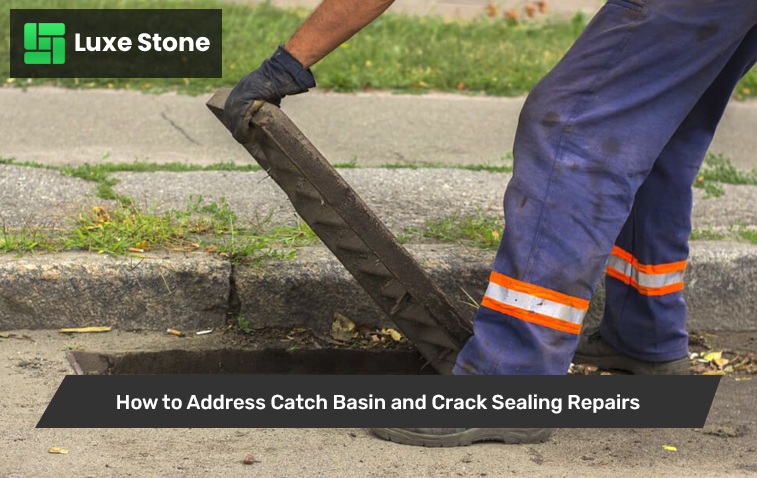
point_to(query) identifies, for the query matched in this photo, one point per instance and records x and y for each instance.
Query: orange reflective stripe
(532, 317)
(536, 291)
(645, 268)
(644, 290)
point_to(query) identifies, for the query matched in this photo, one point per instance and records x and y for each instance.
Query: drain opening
(260, 362)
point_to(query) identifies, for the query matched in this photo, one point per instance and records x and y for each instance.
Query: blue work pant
(607, 147)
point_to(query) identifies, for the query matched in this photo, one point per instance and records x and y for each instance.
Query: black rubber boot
(447, 437)
(593, 350)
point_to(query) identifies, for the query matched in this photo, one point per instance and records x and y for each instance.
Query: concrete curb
(191, 291)
(80, 289)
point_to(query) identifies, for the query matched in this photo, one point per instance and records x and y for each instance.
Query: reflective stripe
(646, 268)
(536, 291)
(647, 279)
(548, 308)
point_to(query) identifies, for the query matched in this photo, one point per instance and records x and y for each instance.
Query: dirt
(31, 369)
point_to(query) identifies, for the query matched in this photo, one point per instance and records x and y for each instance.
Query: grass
(126, 228)
(484, 232)
(213, 226)
(706, 235)
(717, 169)
(476, 231)
(490, 55)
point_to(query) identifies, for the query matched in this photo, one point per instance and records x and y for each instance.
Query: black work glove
(276, 77)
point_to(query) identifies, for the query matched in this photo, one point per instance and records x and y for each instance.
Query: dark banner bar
(112, 43)
(219, 401)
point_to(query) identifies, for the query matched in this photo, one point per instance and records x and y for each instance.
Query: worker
(607, 148)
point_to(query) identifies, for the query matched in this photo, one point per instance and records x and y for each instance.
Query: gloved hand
(276, 77)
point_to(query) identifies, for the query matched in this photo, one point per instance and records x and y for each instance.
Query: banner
(217, 401)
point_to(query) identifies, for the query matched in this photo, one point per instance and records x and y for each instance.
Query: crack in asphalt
(179, 128)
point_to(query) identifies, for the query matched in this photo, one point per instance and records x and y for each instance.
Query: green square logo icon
(44, 43)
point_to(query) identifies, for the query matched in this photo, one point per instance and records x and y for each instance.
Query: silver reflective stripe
(642, 279)
(534, 304)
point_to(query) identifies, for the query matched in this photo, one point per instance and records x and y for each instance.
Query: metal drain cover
(361, 242)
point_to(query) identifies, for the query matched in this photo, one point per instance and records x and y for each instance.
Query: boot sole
(623, 363)
(468, 437)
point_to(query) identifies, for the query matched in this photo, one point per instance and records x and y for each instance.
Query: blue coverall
(607, 148)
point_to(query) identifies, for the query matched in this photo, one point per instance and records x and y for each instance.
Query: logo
(115, 43)
(44, 43)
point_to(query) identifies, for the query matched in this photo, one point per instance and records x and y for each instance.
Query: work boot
(593, 350)
(447, 437)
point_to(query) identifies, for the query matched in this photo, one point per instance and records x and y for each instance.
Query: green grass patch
(505, 168)
(485, 232)
(128, 229)
(399, 52)
(741, 232)
(706, 235)
(716, 170)
(716, 167)
(476, 231)
(395, 52)
(25, 240)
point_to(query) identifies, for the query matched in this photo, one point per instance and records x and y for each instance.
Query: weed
(741, 232)
(716, 167)
(706, 235)
(477, 231)
(23, 241)
(244, 325)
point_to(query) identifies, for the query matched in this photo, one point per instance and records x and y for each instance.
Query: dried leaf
(58, 450)
(85, 330)
(144, 245)
(342, 327)
(396, 336)
(713, 372)
(712, 356)
(670, 448)
(721, 362)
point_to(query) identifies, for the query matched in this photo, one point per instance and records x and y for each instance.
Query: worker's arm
(330, 25)
(287, 72)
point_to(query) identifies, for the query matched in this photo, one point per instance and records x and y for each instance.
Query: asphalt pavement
(33, 364)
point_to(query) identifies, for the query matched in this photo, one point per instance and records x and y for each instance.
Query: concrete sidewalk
(58, 126)
(31, 370)
(402, 198)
